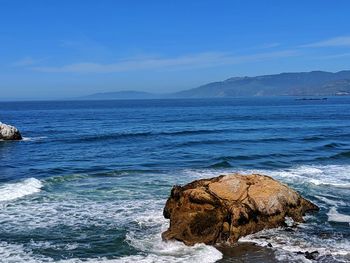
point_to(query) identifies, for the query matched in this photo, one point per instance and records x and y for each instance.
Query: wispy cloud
(342, 41)
(200, 60)
(27, 61)
(336, 56)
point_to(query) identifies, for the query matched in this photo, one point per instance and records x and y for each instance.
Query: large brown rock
(224, 208)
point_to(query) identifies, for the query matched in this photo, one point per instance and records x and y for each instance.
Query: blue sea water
(89, 181)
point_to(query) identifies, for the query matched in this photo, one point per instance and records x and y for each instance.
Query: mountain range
(314, 83)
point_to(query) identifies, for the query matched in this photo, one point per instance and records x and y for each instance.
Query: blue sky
(66, 48)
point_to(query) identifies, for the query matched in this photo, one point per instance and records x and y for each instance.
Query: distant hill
(314, 83)
(120, 95)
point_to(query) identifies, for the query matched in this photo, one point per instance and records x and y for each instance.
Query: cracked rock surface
(224, 208)
(8, 132)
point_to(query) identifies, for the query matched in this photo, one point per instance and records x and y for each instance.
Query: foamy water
(335, 216)
(65, 204)
(64, 209)
(12, 191)
(31, 139)
(104, 169)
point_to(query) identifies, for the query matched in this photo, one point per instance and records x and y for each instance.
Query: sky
(69, 48)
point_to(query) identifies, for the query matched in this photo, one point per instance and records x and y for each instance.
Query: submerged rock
(223, 209)
(8, 132)
(311, 255)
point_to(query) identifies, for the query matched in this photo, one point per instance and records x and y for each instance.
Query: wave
(138, 215)
(146, 134)
(12, 191)
(159, 251)
(201, 142)
(65, 178)
(127, 135)
(335, 216)
(26, 139)
(171, 251)
(342, 155)
(106, 137)
(251, 157)
(175, 254)
(223, 164)
(327, 177)
(223, 141)
(313, 138)
(334, 136)
(191, 132)
(319, 175)
(333, 145)
(113, 173)
(322, 182)
(30, 139)
(291, 246)
(147, 242)
(330, 200)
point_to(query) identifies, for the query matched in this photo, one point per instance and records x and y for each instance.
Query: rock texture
(224, 208)
(8, 132)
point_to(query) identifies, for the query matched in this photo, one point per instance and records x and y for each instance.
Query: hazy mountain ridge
(314, 83)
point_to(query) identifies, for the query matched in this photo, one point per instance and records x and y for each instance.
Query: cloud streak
(200, 60)
(343, 41)
(27, 61)
(336, 56)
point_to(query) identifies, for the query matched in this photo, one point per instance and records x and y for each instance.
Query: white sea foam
(335, 216)
(27, 139)
(336, 176)
(171, 251)
(330, 200)
(65, 208)
(17, 254)
(338, 185)
(327, 175)
(142, 209)
(195, 254)
(12, 253)
(288, 244)
(12, 191)
(151, 246)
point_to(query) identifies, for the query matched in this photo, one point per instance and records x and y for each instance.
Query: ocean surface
(90, 179)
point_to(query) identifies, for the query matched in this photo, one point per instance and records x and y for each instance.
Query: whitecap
(331, 200)
(26, 139)
(171, 251)
(159, 251)
(336, 176)
(288, 245)
(200, 254)
(335, 216)
(338, 185)
(197, 254)
(12, 191)
(14, 253)
(60, 209)
(144, 214)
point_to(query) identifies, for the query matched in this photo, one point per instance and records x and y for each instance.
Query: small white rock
(8, 132)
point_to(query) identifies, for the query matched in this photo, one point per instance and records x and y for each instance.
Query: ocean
(90, 179)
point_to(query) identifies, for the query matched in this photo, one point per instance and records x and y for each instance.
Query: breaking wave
(12, 191)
